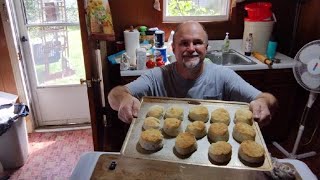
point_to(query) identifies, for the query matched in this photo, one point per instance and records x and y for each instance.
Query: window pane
(57, 11)
(196, 7)
(200, 10)
(57, 54)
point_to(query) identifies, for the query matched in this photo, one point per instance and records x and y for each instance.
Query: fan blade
(309, 53)
(312, 82)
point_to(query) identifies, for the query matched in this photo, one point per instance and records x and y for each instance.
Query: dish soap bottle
(226, 43)
(248, 45)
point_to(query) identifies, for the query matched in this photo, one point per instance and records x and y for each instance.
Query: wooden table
(95, 165)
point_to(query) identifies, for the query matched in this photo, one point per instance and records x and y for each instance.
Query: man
(191, 77)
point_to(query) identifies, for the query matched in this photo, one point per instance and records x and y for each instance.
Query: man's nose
(191, 47)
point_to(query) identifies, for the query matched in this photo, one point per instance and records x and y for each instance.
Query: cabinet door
(281, 83)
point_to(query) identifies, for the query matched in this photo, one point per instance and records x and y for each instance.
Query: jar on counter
(141, 58)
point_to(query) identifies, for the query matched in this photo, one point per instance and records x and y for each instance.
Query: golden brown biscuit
(199, 113)
(251, 152)
(155, 111)
(172, 126)
(220, 115)
(174, 112)
(243, 131)
(197, 128)
(151, 123)
(218, 132)
(220, 152)
(151, 139)
(243, 115)
(185, 143)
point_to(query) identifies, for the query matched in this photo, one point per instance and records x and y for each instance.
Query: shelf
(102, 37)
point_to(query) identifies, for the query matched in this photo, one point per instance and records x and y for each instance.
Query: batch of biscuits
(153, 133)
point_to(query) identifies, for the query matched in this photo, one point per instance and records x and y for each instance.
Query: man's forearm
(116, 95)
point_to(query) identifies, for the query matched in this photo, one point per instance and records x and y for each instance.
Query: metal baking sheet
(131, 147)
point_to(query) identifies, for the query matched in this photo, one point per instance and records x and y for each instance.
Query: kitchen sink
(230, 58)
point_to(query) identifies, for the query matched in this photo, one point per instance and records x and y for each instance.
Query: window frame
(179, 19)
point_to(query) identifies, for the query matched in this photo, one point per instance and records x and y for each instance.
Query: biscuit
(174, 112)
(197, 128)
(251, 152)
(243, 115)
(218, 132)
(199, 113)
(185, 143)
(151, 139)
(151, 123)
(155, 111)
(220, 152)
(243, 131)
(220, 115)
(172, 126)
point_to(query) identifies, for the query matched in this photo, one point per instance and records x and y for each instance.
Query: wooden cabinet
(282, 84)
(279, 82)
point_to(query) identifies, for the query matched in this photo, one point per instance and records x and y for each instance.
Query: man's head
(190, 43)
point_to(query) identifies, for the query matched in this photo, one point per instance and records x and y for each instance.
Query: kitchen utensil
(131, 148)
(262, 58)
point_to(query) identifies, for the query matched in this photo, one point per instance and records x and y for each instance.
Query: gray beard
(194, 67)
(191, 65)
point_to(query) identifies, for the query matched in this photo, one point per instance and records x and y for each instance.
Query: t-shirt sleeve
(237, 89)
(141, 86)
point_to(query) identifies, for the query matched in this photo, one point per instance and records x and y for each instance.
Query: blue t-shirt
(216, 83)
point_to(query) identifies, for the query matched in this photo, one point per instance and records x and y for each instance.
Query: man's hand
(129, 108)
(122, 101)
(263, 107)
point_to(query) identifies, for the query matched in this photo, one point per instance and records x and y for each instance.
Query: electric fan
(306, 70)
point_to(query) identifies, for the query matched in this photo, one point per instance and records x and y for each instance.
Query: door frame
(9, 22)
(40, 95)
(94, 92)
(22, 81)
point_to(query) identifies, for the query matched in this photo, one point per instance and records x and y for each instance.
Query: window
(198, 10)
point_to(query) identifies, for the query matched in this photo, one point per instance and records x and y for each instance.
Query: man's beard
(191, 64)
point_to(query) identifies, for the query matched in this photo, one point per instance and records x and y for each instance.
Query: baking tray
(131, 147)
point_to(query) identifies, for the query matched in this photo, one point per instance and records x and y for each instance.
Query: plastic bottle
(169, 45)
(226, 43)
(143, 30)
(141, 58)
(248, 45)
(272, 47)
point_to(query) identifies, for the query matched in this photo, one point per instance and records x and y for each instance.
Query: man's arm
(263, 108)
(122, 101)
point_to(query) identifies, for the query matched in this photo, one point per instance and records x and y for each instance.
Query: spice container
(248, 45)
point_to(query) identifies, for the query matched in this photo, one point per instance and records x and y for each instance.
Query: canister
(159, 39)
(160, 53)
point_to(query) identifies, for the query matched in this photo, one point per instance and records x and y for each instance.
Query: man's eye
(185, 43)
(198, 43)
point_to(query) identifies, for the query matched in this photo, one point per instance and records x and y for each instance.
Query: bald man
(191, 77)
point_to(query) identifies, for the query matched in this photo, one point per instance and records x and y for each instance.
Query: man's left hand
(261, 112)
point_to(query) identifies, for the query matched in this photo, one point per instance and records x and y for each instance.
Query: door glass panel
(55, 41)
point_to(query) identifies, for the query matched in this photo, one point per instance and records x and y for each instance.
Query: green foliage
(187, 8)
(35, 11)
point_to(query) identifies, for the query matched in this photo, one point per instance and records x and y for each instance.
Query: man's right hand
(122, 101)
(128, 109)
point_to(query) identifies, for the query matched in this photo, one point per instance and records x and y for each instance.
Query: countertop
(286, 61)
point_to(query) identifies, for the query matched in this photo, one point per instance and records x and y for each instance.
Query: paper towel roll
(131, 40)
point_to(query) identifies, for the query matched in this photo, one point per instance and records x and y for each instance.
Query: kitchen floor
(53, 155)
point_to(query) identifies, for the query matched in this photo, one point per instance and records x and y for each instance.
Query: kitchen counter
(286, 62)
